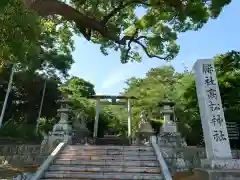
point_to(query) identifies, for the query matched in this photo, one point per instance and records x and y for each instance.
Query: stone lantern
(62, 131)
(144, 130)
(167, 109)
(169, 136)
(62, 127)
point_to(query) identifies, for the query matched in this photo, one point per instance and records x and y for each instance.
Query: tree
(227, 69)
(31, 42)
(150, 91)
(113, 24)
(25, 97)
(23, 104)
(79, 87)
(78, 91)
(164, 82)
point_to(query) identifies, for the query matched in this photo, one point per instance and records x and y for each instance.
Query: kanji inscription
(219, 136)
(217, 120)
(211, 110)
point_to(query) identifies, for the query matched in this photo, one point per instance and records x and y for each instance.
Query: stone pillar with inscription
(212, 118)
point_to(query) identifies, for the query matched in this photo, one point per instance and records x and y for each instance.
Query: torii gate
(113, 101)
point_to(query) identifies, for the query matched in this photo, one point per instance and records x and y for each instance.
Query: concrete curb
(163, 165)
(48, 161)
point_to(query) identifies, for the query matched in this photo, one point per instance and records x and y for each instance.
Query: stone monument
(62, 131)
(213, 121)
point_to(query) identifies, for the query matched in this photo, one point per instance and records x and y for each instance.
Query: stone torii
(113, 101)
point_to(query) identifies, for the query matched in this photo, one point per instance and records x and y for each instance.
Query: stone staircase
(113, 140)
(105, 162)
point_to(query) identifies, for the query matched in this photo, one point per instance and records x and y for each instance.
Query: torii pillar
(97, 111)
(129, 109)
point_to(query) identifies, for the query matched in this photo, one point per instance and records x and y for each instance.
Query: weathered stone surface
(173, 140)
(110, 157)
(22, 160)
(192, 157)
(107, 162)
(108, 148)
(87, 168)
(114, 162)
(221, 174)
(63, 174)
(19, 149)
(21, 155)
(105, 152)
(24, 176)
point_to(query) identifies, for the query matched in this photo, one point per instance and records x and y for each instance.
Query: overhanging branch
(137, 41)
(122, 6)
(86, 24)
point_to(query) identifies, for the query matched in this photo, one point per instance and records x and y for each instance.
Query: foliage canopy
(119, 25)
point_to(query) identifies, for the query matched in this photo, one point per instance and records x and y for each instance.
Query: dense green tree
(78, 87)
(150, 91)
(31, 42)
(37, 36)
(227, 68)
(103, 22)
(26, 95)
(23, 104)
(164, 82)
(78, 91)
(113, 24)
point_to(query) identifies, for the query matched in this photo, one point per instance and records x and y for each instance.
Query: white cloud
(114, 79)
(121, 74)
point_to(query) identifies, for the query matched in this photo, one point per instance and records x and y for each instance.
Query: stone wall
(21, 155)
(180, 159)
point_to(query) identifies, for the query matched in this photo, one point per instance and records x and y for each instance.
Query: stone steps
(90, 175)
(105, 162)
(86, 168)
(108, 153)
(109, 148)
(109, 157)
(112, 141)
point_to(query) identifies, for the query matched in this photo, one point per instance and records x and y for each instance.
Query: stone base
(219, 169)
(169, 128)
(212, 174)
(81, 133)
(171, 140)
(221, 163)
(49, 143)
(81, 136)
(143, 137)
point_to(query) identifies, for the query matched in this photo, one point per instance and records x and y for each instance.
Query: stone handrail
(164, 169)
(48, 161)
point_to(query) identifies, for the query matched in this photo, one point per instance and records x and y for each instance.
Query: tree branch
(145, 49)
(137, 41)
(122, 6)
(85, 24)
(50, 7)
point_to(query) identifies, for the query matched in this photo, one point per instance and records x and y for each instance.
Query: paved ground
(7, 172)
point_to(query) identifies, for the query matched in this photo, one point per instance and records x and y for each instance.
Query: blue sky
(109, 75)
